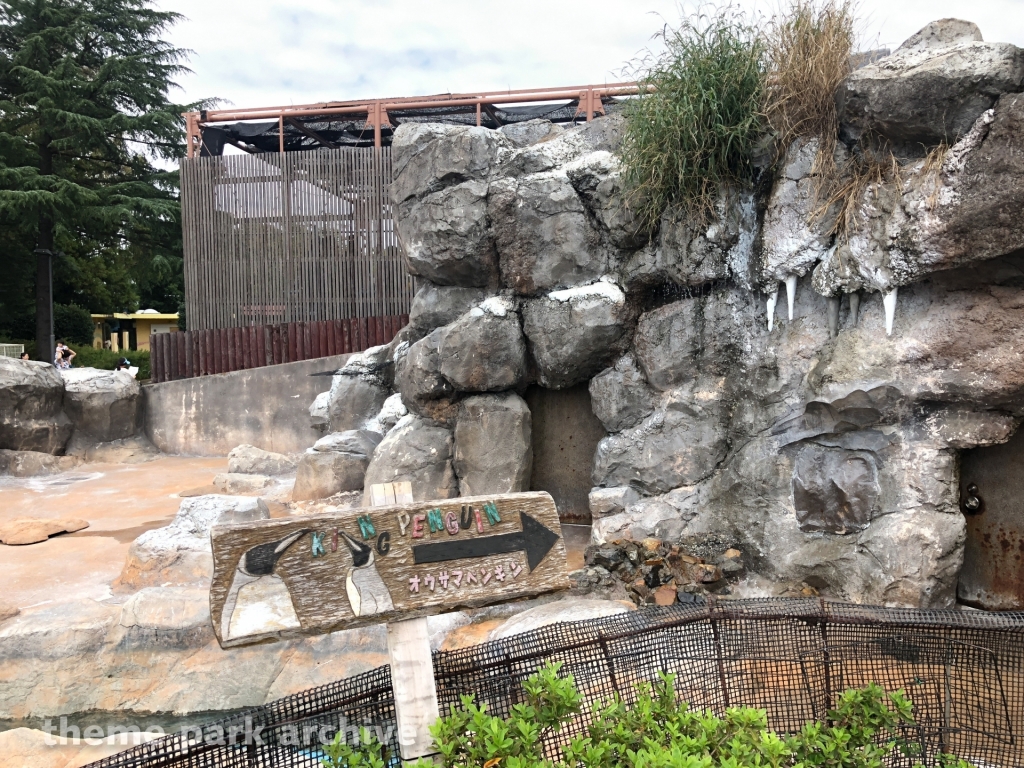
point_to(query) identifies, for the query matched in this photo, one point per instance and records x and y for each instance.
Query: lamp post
(44, 305)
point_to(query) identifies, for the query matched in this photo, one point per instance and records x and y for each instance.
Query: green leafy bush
(88, 357)
(695, 125)
(659, 731)
(72, 323)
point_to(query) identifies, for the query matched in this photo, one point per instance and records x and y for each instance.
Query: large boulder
(436, 305)
(180, 553)
(484, 350)
(419, 452)
(941, 215)
(418, 377)
(493, 452)
(337, 463)
(34, 463)
(620, 395)
(572, 333)
(932, 88)
(681, 443)
(248, 459)
(31, 399)
(428, 157)
(359, 389)
(700, 335)
(544, 238)
(446, 237)
(103, 405)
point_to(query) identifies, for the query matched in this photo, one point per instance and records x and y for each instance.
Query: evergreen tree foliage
(85, 120)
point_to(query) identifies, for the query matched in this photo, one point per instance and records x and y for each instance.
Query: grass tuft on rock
(695, 126)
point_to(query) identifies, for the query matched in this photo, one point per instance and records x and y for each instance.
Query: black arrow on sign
(535, 538)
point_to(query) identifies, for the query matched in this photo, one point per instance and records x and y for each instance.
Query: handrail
(376, 110)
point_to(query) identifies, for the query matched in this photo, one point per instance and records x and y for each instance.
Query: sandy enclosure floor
(120, 501)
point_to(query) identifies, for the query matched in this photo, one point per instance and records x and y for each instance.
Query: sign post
(398, 562)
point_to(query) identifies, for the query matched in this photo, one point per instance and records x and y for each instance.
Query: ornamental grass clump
(694, 127)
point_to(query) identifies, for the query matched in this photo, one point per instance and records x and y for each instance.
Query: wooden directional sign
(317, 574)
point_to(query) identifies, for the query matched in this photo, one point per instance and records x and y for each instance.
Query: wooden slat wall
(293, 237)
(187, 354)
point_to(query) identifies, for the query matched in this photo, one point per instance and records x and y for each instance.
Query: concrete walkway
(120, 501)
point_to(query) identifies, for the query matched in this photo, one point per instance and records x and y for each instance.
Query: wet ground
(120, 501)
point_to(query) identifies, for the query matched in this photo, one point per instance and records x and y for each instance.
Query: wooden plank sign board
(321, 573)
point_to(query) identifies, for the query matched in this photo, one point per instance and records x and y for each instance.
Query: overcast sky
(269, 52)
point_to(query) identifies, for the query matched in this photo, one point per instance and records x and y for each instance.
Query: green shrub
(659, 731)
(72, 323)
(695, 126)
(88, 357)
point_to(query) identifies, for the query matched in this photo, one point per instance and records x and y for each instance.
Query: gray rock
(180, 553)
(416, 451)
(337, 463)
(437, 305)
(493, 449)
(605, 502)
(446, 238)
(572, 333)
(620, 396)
(685, 254)
(34, 463)
(603, 135)
(31, 398)
(241, 483)
(390, 414)
(662, 517)
(354, 401)
(794, 238)
(937, 218)
(681, 443)
(103, 405)
(704, 334)
(359, 389)
(531, 132)
(427, 157)
(484, 350)
(932, 88)
(424, 390)
(358, 442)
(248, 459)
(597, 178)
(542, 233)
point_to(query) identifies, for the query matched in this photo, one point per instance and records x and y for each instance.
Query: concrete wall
(266, 407)
(565, 436)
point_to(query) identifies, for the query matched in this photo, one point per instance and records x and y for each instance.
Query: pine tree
(85, 116)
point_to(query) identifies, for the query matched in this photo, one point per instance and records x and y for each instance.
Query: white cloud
(266, 52)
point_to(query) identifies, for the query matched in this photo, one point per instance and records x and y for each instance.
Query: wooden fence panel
(301, 236)
(209, 351)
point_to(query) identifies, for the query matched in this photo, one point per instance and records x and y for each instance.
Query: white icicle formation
(854, 308)
(790, 293)
(889, 302)
(773, 299)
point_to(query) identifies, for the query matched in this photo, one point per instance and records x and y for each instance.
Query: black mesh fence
(964, 671)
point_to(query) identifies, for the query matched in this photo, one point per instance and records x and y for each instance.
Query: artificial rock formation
(103, 405)
(762, 380)
(31, 407)
(336, 463)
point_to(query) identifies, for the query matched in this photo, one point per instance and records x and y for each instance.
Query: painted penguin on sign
(367, 592)
(258, 599)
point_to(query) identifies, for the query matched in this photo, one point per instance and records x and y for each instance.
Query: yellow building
(130, 330)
